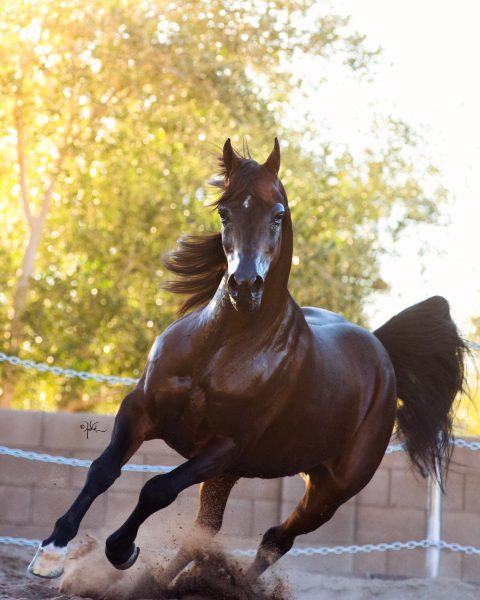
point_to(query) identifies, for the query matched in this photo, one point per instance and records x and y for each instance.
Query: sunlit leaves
(138, 96)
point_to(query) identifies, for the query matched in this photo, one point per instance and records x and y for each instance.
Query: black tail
(428, 357)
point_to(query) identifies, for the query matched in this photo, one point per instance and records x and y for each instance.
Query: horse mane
(199, 261)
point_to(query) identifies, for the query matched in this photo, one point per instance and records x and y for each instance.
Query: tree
(111, 108)
(467, 414)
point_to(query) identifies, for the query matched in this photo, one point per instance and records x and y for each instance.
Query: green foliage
(137, 98)
(467, 415)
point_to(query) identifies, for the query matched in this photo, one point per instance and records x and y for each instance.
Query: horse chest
(216, 399)
(249, 377)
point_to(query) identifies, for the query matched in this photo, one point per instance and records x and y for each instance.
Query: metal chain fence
(85, 375)
(312, 551)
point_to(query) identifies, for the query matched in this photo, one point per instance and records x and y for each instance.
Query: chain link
(322, 550)
(18, 541)
(395, 448)
(355, 549)
(84, 375)
(464, 444)
(319, 550)
(78, 462)
(115, 380)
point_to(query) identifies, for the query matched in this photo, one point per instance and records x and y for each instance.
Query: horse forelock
(249, 179)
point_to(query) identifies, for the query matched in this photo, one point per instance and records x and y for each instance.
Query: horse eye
(223, 217)
(279, 218)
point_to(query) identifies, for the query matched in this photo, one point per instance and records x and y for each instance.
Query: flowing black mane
(199, 261)
(200, 264)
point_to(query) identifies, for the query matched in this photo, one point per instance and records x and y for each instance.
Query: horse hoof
(129, 562)
(48, 561)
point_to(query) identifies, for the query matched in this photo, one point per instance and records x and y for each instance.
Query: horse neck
(276, 294)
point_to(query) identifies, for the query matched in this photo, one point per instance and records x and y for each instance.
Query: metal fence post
(434, 524)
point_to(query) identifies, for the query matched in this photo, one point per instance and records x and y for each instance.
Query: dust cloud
(214, 575)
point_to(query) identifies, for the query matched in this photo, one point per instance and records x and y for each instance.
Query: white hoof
(48, 561)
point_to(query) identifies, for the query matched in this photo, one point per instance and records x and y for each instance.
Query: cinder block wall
(391, 508)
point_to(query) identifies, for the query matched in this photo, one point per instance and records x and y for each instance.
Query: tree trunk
(19, 304)
(35, 224)
(7, 386)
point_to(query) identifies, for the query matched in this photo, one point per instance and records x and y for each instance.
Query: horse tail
(428, 358)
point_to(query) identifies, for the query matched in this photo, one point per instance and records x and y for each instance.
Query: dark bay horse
(248, 384)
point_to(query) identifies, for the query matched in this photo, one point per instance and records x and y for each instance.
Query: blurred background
(112, 115)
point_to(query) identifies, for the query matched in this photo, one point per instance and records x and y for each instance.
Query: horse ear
(272, 164)
(230, 159)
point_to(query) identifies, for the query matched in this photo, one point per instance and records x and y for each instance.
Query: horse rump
(428, 354)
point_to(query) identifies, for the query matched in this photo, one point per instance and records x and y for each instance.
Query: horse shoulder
(170, 354)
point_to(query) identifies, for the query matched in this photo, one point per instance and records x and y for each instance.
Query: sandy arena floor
(89, 576)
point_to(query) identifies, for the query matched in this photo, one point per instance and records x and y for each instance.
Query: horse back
(316, 317)
(344, 351)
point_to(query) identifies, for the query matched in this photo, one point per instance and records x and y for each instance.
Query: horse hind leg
(214, 494)
(316, 508)
(129, 431)
(327, 488)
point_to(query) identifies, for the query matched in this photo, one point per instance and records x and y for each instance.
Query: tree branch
(18, 117)
(47, 198)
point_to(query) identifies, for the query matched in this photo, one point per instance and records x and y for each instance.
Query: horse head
(252, 209)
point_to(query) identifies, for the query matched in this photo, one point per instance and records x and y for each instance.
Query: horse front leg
(130, 430)
(214, 494)
(162, 490)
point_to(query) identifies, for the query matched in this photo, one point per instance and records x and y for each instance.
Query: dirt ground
(88, 575)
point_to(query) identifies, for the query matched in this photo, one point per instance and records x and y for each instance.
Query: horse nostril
(257, 285)
(233, 286)
(253, 285)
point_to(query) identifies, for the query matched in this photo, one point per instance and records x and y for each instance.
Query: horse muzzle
(245, 292)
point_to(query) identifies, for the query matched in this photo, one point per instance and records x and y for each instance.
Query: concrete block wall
(391, 508)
